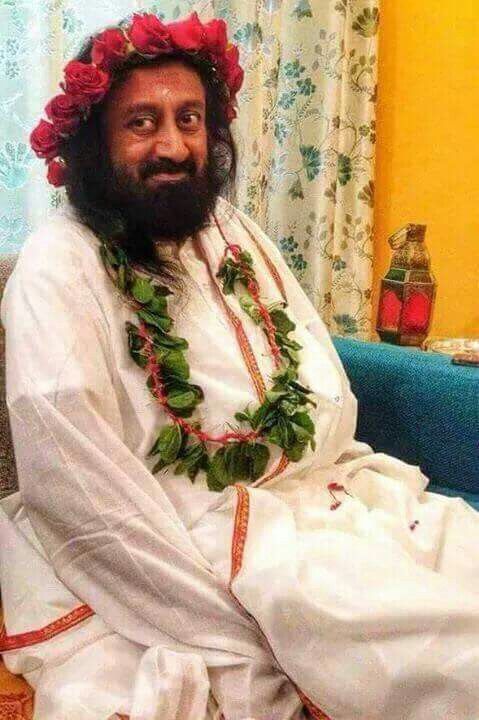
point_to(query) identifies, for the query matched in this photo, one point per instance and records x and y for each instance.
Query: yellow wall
(427, 167)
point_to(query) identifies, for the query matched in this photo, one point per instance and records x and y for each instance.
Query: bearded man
(197, 534)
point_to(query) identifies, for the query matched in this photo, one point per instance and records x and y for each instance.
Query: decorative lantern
(408, 290)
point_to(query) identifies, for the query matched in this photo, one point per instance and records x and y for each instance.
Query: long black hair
(89, 169)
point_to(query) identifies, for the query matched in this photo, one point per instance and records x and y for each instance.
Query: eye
(191, 120)
(141, 123)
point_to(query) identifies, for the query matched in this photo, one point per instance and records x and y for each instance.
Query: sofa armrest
(419, 407)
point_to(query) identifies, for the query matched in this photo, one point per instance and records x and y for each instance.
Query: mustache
(165, 165)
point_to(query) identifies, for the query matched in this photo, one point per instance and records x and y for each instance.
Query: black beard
(173, 210)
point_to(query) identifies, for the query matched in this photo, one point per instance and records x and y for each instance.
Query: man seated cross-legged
(197, 534)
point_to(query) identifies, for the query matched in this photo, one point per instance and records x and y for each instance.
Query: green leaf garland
(282, 419)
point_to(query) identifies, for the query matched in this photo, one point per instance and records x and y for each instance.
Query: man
(198, 530)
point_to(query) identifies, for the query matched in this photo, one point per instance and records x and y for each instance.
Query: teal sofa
(420, 407)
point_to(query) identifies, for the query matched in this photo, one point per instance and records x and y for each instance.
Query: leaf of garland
(122, 277)
(228, 274)
(248, 305)
(157, 305)
(274, 395)
(281, 321)
(181, 399)
(168, 443)
(282, 434)
(194, 459)
(246, 258)
(159, 466)
(109, 256)
(295, 452)
(163, 340)
(243, 416)
(236, 459)
(142, 290)
(303, 419)
(163, 323)
(173, 362)
(259, 457)
(288, 342)
(260, 415)
(135, 345)
(216, 477)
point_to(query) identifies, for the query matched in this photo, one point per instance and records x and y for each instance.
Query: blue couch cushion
(419, 407)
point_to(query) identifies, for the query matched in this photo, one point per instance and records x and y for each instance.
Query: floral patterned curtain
(305, 134)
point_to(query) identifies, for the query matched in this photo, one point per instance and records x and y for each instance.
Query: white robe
(174, 598)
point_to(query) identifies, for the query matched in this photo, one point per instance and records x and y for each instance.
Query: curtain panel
(305, 132)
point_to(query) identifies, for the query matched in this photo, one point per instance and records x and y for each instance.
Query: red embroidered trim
(267, 260)
(240, 531)
(243, 341)
(21, 640)
(16, 706)
(314, 711)
(280, 467)
(247, 353)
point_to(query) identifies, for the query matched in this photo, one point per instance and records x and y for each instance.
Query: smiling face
(161, 175)
(155, 124)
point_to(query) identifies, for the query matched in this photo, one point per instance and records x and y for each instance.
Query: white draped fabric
(174, 600)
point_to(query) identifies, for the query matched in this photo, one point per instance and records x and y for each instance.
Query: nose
(170, 143)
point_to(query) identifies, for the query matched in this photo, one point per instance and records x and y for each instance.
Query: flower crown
(87, 83)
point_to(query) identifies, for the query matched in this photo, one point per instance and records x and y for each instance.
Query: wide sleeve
(107, 527)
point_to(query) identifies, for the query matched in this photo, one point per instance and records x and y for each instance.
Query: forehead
(172, 82)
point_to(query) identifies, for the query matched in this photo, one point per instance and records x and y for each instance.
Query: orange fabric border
(247, 353)
(282, 465)
(240, 532)
(267, 260)
(21, 640)
(243, 342)
(314, 711)
(16, 706)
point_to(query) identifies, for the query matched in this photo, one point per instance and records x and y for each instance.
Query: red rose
(109, 49)
(231, 56)
(149, 35)
(188, 34)
(235, 79)
(216, 39)
(44, 140)
(84, 82)
(64, 113)
(231, 69)
(56, 173)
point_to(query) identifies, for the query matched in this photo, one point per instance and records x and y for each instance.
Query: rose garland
(282, 418)
(85, 84)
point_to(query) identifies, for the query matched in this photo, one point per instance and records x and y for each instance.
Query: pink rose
(149, 35)
(56, 173)
(64, 113)
(85, 83)
(188, 34)
(109, 49)
(44, 140)
(216, 39)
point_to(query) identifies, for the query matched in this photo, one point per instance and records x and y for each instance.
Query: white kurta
(367, 610)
